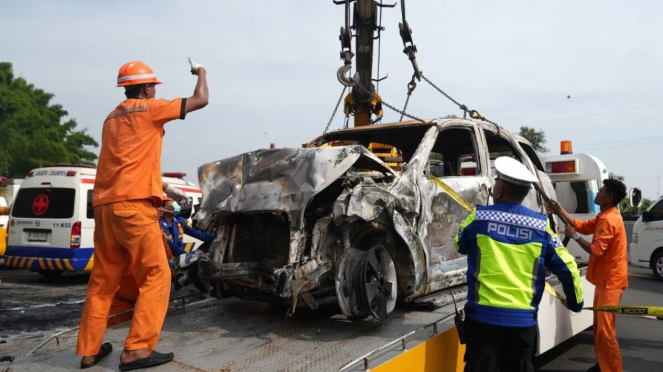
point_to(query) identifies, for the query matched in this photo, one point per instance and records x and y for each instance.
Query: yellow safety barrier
(454, 195)
(625, 310)
(630, 310)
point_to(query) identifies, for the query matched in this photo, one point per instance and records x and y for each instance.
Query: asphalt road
(24, 322)
(640, 339)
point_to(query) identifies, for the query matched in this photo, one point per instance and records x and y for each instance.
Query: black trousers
(498, 349)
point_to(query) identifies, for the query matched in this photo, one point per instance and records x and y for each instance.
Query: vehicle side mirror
(635, 197)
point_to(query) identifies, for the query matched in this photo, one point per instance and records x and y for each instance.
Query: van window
(46, 202)
(90, 210)
(656, 212)
(498, 146)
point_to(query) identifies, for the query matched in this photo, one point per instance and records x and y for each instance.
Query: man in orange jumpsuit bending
(127, 237)
(608, 268)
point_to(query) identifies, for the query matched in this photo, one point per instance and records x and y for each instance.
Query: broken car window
(454, 154)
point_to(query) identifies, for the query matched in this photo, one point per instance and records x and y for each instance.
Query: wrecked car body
(335, 224)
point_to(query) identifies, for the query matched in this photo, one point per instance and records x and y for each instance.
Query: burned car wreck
(342, 224)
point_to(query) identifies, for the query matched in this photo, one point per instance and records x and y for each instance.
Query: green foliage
(536, 137)
(625, 205)
(32, 133)
(617, 177)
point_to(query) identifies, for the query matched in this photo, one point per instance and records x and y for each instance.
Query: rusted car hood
(270, 180)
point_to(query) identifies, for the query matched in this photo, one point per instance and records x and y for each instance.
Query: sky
(272, 69)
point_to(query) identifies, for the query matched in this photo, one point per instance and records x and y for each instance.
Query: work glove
(195, 66)
(177, 195)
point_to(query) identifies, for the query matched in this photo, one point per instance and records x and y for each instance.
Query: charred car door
(457, 176)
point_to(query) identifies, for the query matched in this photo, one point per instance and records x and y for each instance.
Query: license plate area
(38, 236)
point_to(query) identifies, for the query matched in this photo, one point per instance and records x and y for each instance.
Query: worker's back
(509, 247)
(131, 144)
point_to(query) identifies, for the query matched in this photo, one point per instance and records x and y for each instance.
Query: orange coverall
(608, 271)
(127, 237)
(125, 297)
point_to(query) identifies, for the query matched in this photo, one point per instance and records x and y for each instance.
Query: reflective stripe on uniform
(513, 219)
(126, 111)
(135, 77)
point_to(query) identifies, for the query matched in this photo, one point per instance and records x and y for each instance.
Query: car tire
(657, 265)
(50, 274)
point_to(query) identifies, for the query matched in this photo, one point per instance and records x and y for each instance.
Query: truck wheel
(50, 274)
(657, 265)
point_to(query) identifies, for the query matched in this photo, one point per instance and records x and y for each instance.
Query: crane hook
(345, 80)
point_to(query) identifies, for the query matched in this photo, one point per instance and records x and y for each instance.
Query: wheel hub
(367, 283)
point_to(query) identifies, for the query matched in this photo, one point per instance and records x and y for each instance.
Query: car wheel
(50, 274)
(657, 265)
(348, 284)
(379, 282)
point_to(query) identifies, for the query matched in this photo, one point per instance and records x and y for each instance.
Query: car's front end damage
(285, 216)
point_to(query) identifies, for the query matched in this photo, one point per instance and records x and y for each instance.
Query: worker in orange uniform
(608, 268)
(127, 236)
(125, 298)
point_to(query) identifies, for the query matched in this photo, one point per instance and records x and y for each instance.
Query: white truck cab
(51, 223)
(646, 248)
(577, 179)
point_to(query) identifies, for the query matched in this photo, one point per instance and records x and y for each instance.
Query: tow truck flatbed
(236, 335)
(232, 335)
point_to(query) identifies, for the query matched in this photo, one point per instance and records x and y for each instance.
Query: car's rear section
(46, 226)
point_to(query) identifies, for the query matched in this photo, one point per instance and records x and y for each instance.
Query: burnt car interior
(406, 138)
(453, 146)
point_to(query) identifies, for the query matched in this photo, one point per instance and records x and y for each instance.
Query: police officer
(508, 248)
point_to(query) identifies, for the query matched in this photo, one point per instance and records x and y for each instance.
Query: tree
(536, 137)
(32, 131)
(625, 205)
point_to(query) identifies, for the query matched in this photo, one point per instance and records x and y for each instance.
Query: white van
(647, 240)
(51, 223)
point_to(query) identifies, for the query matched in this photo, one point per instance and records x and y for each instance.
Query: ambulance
(51, 224)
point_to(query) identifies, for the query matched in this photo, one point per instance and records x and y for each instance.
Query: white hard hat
(513, 171)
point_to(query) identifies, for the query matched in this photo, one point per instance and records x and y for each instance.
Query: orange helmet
(136, 72)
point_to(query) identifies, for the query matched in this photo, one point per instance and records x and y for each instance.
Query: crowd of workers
(508, 246)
